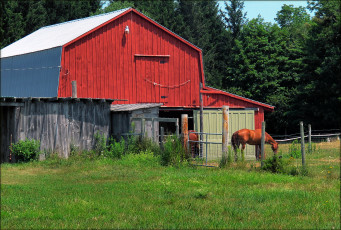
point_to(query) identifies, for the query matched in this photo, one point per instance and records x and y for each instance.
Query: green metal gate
(213, 120)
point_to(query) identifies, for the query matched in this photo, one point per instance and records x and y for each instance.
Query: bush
(116, 149)
(295, 149)
(26, 150)
(173, 153)
(100, 145)
(274, 164)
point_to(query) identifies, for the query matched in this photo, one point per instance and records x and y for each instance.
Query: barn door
(152, 79)
(238, 119)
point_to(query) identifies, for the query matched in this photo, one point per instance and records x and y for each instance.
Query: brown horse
(194, 145)
(252, 137)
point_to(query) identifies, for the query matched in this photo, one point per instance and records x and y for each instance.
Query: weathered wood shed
(135, 118)
(122, 55)
(57, 123)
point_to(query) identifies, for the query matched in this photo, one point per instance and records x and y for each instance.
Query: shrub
(116, 149)
(26, 150)
(295, 149)
(274, 164)
(173, 153)
(100, 145)
(74, 150)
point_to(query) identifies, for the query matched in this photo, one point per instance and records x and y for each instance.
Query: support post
(143, 127)
(206, 149)
(184, 129)
(177, 127)
(162, 137)
(302, 143)
(74, 89)
(309, 138)
(225, 128)
(263, 144)
(153, 130)
(201, 119)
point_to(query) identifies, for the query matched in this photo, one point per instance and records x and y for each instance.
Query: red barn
(122, 55)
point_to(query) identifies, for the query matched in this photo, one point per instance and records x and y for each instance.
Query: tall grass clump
(226, 158)
(295, 149)
(26, 150)
(128, 145)
(173, 153)
(137, 144)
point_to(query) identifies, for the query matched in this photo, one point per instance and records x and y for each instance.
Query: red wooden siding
(148, 65)
(107, 63)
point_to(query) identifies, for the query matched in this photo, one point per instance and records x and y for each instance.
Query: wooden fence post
(143, 127)
(74, 89)
(184, 129)
(263, 144)
(302, 143)
(309, 138)
(161, 137)
(225, 129)
(201, 120)
(153, 130)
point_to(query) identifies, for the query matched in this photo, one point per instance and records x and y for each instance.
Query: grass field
(136, 192)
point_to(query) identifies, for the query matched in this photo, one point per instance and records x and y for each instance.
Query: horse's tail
(235, 140)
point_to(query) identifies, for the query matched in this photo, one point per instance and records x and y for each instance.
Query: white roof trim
(56, 35)
(132, 107)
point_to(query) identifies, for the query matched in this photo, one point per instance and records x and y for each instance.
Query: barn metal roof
(56, 35)
(132, 107)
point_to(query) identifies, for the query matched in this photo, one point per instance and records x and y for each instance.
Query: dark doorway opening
(170, 128)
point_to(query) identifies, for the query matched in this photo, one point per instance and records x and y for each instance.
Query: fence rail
(317, 135)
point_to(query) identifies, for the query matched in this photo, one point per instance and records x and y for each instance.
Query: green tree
(12, 23)
(206, 30)
(319, 100)
(264, 69)
(290, 16)
(20, 18)
(234, 17)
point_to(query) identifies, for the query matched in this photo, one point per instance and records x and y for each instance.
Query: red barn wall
(105, 65)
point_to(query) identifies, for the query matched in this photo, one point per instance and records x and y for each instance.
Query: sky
(267, 9)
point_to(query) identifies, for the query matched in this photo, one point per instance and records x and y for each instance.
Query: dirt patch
(337, 160)
(23, 176)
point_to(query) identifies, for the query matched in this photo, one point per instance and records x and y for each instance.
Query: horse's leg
(259, 152)
(242, 151)
(243, 148)
(235, 152)
(256, 152)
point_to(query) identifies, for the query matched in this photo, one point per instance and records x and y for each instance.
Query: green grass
(136, 192)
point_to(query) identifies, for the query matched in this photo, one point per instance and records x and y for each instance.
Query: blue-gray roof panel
(31, 75)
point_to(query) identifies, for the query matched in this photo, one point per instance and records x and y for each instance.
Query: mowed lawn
(136, 192)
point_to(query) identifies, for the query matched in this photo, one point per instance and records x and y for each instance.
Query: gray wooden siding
(56, 125)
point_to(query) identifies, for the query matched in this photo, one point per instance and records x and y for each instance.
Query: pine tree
(20, 18)
(319, 101)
